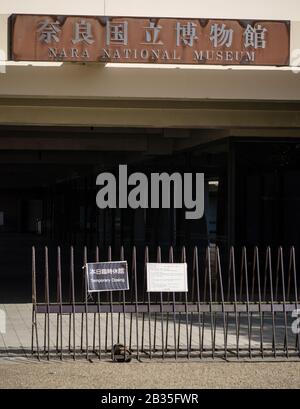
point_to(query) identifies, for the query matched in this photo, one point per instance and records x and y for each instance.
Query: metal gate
(239, 305)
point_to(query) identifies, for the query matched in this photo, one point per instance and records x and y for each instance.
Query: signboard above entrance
(149, 40)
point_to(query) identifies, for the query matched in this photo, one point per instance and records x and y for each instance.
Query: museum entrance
(48, 195)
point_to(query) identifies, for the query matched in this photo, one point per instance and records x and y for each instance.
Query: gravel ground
(30, 374)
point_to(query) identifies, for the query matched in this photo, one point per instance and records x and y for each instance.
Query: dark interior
(47, 197)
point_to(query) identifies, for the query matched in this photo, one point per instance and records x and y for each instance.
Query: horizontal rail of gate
(243, 304)
(157, 308)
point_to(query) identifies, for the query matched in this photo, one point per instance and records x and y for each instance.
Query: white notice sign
(167, 277)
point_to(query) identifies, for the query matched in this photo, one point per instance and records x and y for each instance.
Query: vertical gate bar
(277, 273)
(33, 297)
(111, 310)
(179, 325)
(149, 307)
(222, 299)
(257, 264)
(289, 282)
(240, 292)
(106, 328)
(196, 267)
(272, 299)
(124, 304)
(215, 287)
(85, 260)
(119, 314)
(155, 314)
(34, 302)
(119, 320)
(216, 296)
(286, 340)
(144, 301)
(168, 302)
(155, 328)
(136, 302)
(106, 324)
(161, 309)
(266, 275)
(289, 275)
(210, 302)
(229, 278)
(192, 301)
(167, 321)
(171, 260)
(95, 316)
(252, 295)
(82, 314)
(293, 265)
(132, 301)
(183, 260)
(247, 300)
(228, 295)
(70, 300)
(237, 327)
(47, 301)
(241, 278)
(73, 299)
(240, 299)
(59, 285)
(265, 286)
(58, 303)
(204, 294)
(99, 308)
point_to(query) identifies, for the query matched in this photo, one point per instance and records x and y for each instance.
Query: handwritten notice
(167, 277)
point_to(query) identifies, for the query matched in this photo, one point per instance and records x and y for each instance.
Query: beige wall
(295, 44)
(97, 81)
(75, 82)
(3, 36)
(152, 114)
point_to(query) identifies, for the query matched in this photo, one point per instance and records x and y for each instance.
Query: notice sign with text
(108, 276)
(149, 40)
(167, 277)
